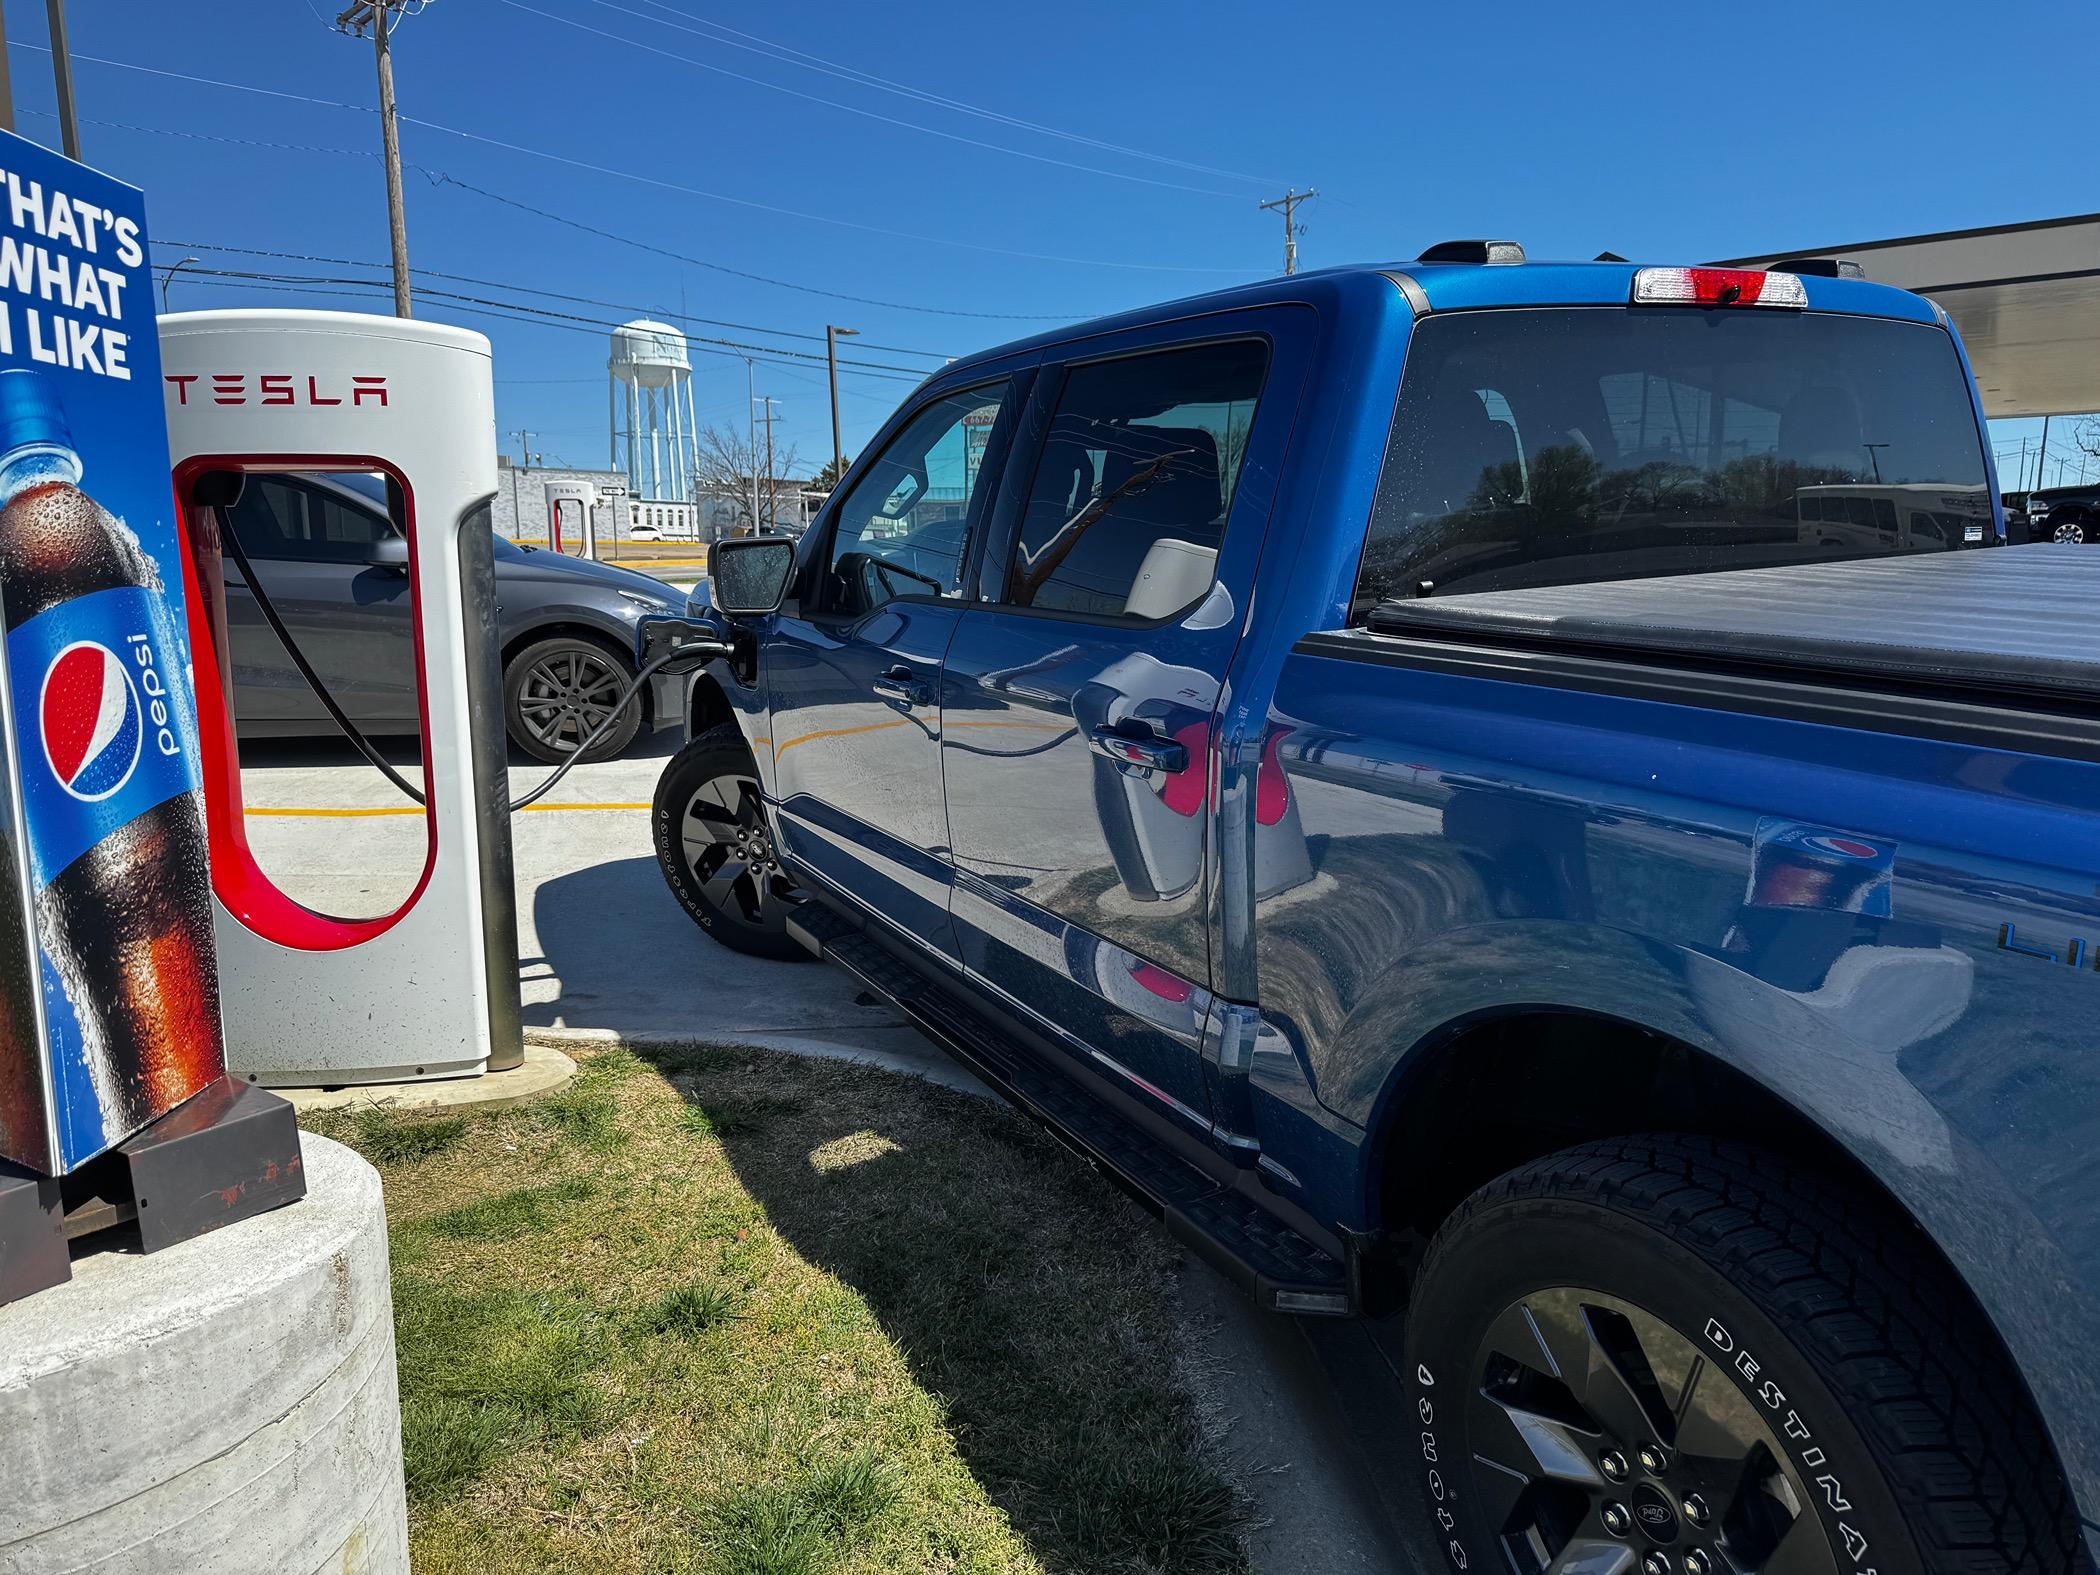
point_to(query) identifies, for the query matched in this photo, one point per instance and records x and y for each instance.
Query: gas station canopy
(2026, 298)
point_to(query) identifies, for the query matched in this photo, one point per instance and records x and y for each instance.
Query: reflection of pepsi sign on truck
(1909, 518)
(1521, 880)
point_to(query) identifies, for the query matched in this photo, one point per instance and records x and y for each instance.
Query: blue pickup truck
(1532, 798)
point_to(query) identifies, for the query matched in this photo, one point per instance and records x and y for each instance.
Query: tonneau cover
(2025, 618)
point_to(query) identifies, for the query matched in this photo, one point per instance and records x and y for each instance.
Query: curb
(544, 1070)
(913, 1056)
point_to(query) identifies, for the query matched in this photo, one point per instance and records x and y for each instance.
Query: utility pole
(831, 357)
(7, 81)
(751, 432)
(1288, 203)
(62, 77)
(525, 455)
(2042, 456)
(772, 489)
(376, 15)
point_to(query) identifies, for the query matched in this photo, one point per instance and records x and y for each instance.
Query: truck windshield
(1568, 445)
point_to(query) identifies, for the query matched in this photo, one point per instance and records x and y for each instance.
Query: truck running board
(1280, 1268)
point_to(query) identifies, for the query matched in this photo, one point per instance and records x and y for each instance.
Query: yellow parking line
(406, 809)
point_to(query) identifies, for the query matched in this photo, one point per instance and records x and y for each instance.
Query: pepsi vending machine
(109, 985)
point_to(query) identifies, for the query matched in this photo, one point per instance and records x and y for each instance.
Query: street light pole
(831, 357)
(168, 278)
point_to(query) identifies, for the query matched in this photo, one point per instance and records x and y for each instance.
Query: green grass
(508, 1215)
(387, 1137)
(484, 1373)
(587, 1111)
(729, 1313)
(688, 1310)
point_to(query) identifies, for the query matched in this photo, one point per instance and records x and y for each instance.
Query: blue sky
(1666, 134)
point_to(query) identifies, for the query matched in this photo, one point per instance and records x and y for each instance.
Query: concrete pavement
(606, 954)
(604, 951)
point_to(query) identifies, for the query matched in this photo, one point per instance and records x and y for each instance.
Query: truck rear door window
(1128, 508)
(1565, 446)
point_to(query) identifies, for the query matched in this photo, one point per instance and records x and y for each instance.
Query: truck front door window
(905, 525)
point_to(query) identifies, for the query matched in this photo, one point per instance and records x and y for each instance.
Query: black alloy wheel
(715, 846)
(1679, 1356)
(1574, 1389)
(557, 692)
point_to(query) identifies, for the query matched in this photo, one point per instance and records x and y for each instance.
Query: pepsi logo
(1843, 847)
(89, 716)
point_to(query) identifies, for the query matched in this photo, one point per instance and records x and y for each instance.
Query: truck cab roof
(1437, 286)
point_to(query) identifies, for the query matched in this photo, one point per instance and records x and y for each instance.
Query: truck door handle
(900, 684)
(1148, 753)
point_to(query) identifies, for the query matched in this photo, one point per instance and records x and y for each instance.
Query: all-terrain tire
(714, 844)
(1888, 1401)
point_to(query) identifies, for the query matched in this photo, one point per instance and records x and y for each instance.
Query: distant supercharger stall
(429, 990)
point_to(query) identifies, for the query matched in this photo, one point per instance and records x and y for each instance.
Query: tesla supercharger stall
(429, 990)
(572, 514)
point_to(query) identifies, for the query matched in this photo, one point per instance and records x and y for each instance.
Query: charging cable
(364, 745)
(634, 687)
(232, 543)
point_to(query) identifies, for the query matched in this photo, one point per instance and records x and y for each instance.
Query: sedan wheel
(557, 692)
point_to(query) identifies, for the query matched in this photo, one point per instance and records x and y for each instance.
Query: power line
(667, 185)
(206, 136)
(526, 289)
(797, 213)
(854, 109)
(741, 273)
(510, 312)
(440, 178)
(792, 357)
(723, 33)
(182, 76)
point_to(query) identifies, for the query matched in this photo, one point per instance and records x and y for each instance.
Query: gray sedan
(334, 566)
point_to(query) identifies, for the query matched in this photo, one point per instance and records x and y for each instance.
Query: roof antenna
(1609, 257)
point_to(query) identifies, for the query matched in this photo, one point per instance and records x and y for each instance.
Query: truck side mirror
(389, 552)
(748, 575)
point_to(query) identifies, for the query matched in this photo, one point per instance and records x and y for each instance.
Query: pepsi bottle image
(113, 812)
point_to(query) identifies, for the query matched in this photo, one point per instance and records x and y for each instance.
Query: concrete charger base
(228, 1404)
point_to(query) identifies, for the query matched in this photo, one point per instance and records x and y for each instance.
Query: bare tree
(723, 467)
(2087, 436)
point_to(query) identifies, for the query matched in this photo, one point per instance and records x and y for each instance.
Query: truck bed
(2020, 621)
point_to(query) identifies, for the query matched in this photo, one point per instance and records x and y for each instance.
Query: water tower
(649, 400)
